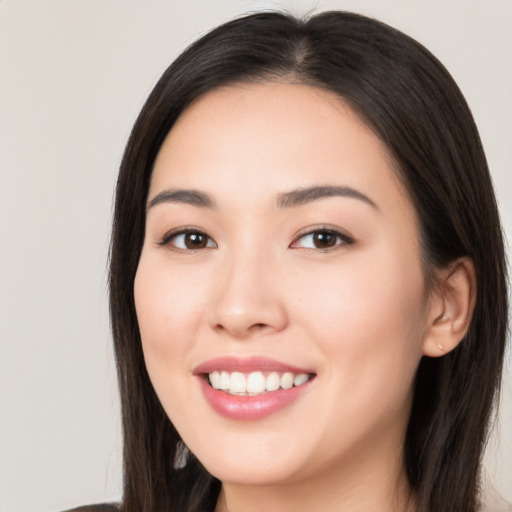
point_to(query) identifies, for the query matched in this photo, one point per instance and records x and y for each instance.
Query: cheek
(169, 303)
(368, 315)
(368, 325)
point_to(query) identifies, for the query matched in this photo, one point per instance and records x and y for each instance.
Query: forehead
(273, 137)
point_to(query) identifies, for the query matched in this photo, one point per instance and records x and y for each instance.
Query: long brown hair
(409, 99)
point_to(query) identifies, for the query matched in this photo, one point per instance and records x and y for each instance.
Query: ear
(451, 308)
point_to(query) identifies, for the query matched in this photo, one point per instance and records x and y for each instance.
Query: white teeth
(273, 381)
(238, 383)
(301, 378)
(215, 380)
(254, 383)
(224, 380)
(287, 380)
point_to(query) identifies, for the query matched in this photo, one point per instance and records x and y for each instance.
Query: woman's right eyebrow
(192, 197)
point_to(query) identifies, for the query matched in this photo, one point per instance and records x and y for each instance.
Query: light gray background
(74, 74)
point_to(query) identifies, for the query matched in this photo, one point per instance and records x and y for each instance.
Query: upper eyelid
(173, 233)
(314, 229)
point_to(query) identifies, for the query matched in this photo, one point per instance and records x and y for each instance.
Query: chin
(251, 474)
(258, 461)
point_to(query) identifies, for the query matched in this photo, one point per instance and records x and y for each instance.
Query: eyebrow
(289, 199)
(302, 196)
(192, 197)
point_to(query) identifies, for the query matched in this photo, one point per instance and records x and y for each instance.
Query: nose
(248, 300)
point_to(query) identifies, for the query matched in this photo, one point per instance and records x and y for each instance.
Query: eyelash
(341, 239)
(173, 235)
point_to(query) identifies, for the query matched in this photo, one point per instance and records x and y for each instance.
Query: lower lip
(250, 408)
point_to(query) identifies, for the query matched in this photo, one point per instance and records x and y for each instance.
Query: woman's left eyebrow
(302, 196)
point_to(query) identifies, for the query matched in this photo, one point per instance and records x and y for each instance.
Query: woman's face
(281, 250)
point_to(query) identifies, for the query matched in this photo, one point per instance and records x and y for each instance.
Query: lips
(251, 388)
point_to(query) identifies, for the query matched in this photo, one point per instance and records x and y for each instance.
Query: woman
(308, 290)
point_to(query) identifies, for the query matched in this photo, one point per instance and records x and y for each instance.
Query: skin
(358, 314)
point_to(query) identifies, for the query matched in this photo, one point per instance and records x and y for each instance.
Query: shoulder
(103, 507)
(497, 506)
(492, 501)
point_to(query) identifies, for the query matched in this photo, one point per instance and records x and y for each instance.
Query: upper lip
(247, 365)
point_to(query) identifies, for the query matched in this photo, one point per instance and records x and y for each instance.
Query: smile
(251, 388)
(255, 383)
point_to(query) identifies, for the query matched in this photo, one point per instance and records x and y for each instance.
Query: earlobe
(451, 308)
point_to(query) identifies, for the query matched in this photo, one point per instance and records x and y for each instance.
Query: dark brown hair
(411, 102)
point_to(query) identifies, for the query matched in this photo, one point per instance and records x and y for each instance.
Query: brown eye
(322, 239)
(195, 240)
(188, 240)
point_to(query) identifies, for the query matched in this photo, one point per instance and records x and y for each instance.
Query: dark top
(101, 507)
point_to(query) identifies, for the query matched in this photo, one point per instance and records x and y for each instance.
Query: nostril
(246, 319)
